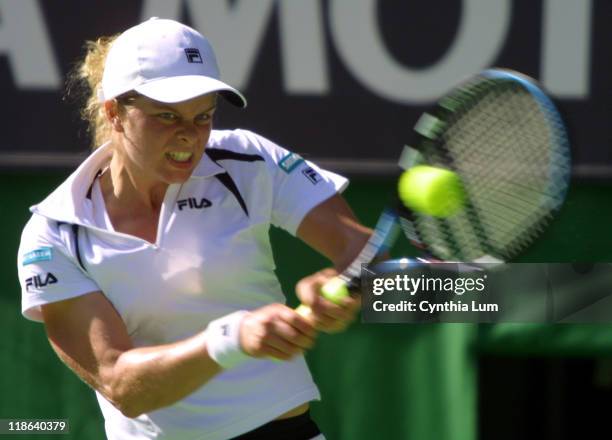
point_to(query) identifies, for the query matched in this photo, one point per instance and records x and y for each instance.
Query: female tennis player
(151, 265)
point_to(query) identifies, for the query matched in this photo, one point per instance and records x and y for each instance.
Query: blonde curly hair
(86, 77)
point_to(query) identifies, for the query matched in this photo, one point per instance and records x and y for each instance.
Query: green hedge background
(378, 381)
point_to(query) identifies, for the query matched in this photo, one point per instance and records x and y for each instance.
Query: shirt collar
(69, 203)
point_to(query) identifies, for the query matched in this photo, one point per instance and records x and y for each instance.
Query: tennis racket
(505, 140)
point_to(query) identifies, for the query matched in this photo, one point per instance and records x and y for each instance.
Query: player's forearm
(332, 230)
(149, 378)
(354, 240)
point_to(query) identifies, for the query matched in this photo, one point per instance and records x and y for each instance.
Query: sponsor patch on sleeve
(42, 254)
(312, 175)
(290, 162)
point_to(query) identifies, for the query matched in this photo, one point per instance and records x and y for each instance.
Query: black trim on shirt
(228, 182)
(98, 174)
(217, 154)
(75, 237)
(77, 249)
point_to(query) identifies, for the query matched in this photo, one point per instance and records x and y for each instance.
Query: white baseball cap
(165, 61)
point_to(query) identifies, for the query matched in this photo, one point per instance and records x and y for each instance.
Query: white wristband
(223, 340)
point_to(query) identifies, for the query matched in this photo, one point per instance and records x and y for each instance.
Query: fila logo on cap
(193, 55)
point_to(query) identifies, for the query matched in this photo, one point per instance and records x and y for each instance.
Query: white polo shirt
(212, 256)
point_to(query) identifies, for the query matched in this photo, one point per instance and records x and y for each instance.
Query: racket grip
(334, 290)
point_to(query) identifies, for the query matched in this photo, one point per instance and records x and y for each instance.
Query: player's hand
(325, 315)
(276, 331)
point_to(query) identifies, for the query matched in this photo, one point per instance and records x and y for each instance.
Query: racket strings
(502, 146)
(485, 127)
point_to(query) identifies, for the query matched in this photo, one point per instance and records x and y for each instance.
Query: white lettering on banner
(303, 47)
(236, 32)
(481, 34)
(161, 8)
(24, 40)
(566, 47)
(237, 29)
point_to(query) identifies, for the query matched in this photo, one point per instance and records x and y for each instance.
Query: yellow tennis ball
(433, 191)
(334, 290)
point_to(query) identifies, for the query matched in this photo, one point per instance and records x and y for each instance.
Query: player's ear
(113, 114)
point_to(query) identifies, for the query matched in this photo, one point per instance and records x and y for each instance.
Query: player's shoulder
(243, 143)
(40, 225)
(40, 231)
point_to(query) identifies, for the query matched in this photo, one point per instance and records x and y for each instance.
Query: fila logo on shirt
(193, 203)
(312, 175)
(37, 281)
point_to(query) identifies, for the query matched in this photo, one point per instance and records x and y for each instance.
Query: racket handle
(334, 290)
